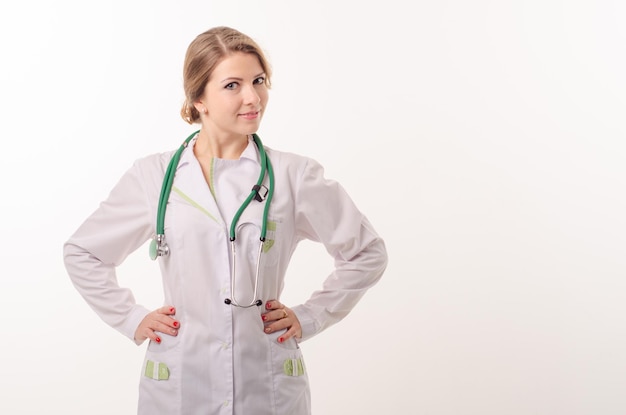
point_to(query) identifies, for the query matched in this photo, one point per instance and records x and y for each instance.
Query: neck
(230, 147)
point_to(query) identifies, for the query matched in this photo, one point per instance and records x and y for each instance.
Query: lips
(250, 115)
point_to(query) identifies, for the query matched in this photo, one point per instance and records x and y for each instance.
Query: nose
(250, 95)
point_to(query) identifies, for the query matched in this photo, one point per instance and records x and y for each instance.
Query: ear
(200, 107)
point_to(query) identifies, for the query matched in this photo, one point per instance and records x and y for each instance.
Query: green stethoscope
(158, 245)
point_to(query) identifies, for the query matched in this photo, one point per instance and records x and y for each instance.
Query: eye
(231, 85)
(259, 81)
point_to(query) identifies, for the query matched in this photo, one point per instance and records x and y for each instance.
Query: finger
(154, 337)
(287, 321)
(279, 324)
(168, 310)
(157, 321)
(273, 305)
(162, 327)
(274, 315)
(147, 333)
(292, 332)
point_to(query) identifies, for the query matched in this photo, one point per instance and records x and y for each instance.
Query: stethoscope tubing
(159, 247)
(266, 166)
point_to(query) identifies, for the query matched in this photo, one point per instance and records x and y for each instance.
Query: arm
(325, 213)
(121, 224)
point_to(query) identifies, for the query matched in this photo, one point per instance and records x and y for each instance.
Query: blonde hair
(204, 53)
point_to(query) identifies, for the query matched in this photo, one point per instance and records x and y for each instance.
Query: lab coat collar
(251, 152)
(190, 180)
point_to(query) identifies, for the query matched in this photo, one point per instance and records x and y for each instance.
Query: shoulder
(304, 175)
(291, 163)
(154, 162)
(150, 169)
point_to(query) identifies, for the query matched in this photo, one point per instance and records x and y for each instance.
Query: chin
(251, 130)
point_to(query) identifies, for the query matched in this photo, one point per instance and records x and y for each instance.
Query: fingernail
(267, 330)
(280, 340)
(263, 318)
(175, 324)
(158, 340)
(173, 331)
(171, 309)
(268, 305)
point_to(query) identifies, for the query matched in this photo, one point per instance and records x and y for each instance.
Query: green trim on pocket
(269, 241)
(271, 225)
(162, 372)
(293, 367)
(267, 244)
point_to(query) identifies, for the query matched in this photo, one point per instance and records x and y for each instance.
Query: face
(235, 97)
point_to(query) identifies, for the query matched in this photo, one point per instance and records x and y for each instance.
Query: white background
(485, 140)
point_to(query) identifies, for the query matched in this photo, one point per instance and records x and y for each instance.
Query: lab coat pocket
(167, 343)
(289, 374)
(160, 377)
(159, 357)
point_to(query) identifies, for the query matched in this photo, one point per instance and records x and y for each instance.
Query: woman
(213, 348)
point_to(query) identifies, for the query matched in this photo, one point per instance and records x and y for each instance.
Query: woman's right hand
(157, 321)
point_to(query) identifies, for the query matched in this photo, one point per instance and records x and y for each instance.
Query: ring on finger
(285, 315)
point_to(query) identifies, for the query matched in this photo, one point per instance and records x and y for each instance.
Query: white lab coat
(222, 362)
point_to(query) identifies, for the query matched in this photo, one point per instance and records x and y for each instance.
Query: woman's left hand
(279, 317)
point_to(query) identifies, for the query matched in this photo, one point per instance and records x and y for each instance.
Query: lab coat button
(226, 403)
(225, 345)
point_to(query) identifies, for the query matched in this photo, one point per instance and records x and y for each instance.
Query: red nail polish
(175, 324)
(280, 340)
(263, 318)
(268, 305)
(158, 340)
(171, 309)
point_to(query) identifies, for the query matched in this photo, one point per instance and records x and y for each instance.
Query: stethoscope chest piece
(158, 247)
(153, 250)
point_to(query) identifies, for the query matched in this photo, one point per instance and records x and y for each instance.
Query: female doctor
(234, 212)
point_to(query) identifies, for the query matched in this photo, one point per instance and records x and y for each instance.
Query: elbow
(77, 260)
(69, 252)
(380, 256)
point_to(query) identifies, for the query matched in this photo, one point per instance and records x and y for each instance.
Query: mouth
(250, 115)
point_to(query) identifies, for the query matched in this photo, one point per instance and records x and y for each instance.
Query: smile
(250, 115)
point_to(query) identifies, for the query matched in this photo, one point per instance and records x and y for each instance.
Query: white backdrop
(485, 141)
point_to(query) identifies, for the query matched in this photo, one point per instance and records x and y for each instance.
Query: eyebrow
(240, 79)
